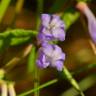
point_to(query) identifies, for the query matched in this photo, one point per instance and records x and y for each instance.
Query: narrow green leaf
(32, 60)
(72, 80)
(6, 42)
(39, 88)
(18, 41)
(3, 7)
(18, 33)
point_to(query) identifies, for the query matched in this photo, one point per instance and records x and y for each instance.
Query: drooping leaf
(18, 33)
(18, 41)
(15, 37)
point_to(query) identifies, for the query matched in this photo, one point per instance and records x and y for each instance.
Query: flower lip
(49, 26)
(50, 55)
(45, 18)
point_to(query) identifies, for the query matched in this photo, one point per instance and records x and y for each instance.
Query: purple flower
(50, 55)
(90, 17)
(52, 28)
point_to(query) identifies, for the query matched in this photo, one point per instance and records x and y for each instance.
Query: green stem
(36, 77)
(19, 6)
(72, 80)
(36, 73)
(38, 88)
(36, 80)
(3, 7)
(32, 60)
(39, 11)
(40, 7)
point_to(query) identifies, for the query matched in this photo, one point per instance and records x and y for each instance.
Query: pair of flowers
(49, 54)
(52, 28)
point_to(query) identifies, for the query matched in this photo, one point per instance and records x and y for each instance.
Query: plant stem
(72, 80)
(36, 73)
(36, 80)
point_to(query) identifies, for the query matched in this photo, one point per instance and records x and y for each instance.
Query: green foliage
(15, 37)
(18, 33)
(70, 16)
(18, 41)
